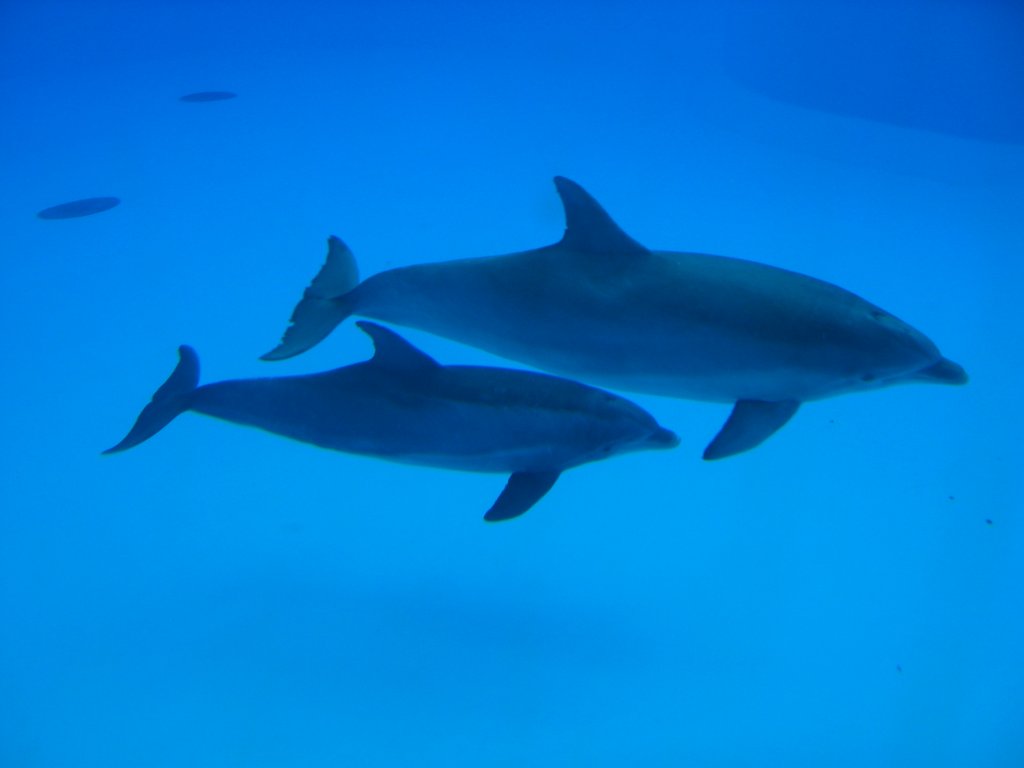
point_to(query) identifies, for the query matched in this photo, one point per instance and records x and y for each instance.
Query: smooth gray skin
(404, 406)
(600, 307)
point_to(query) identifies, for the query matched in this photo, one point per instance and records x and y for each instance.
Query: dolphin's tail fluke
(323, 305)
(173, 398)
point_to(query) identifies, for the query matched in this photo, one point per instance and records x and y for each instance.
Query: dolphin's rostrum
(404, 406)
(601, 307)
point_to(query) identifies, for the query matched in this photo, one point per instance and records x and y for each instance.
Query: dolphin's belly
(696, 368)
(721, 332)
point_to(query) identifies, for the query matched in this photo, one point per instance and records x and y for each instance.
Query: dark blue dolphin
(404, 406)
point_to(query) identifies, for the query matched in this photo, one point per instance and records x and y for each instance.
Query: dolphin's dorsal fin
(588, 227)
(394, 353)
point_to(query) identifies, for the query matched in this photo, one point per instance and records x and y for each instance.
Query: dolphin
(600, 307)
(404, 406)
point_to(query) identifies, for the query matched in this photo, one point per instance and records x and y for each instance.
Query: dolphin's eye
(868, 377)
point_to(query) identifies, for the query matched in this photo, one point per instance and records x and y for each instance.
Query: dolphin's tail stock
(173, 398)
(323, 304)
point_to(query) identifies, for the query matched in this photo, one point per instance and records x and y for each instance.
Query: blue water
(848, 594)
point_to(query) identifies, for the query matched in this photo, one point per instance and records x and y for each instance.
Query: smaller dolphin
(404, 406)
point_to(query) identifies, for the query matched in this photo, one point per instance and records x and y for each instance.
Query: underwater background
(850, 593)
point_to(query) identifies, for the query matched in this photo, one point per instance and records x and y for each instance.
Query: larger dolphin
(599, 306)
(404, 406)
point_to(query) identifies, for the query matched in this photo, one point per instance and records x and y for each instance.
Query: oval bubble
(202, 96)
(85, 207)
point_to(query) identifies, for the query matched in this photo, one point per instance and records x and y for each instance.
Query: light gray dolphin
(404, 406)
(601, 307)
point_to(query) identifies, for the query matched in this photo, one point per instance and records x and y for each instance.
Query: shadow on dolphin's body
(404, 406)
(600, 307)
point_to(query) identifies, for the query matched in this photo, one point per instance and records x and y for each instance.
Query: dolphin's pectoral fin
(523, 490)
(750, 424)
(394, 353)
(588, 227)
(322, 305)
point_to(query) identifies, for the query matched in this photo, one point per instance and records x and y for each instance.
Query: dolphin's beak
(663, 438)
